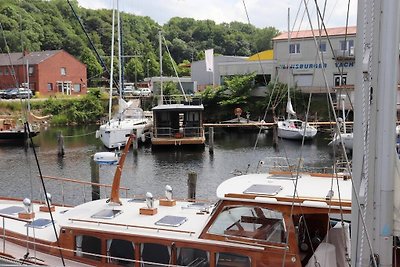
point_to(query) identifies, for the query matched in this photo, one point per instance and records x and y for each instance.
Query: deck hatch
(13, 210)
(263, 189)
(106, 214)
(170, 220)
(39, 223)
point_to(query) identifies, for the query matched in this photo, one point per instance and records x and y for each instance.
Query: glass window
(6, 71)
(155, 253)
(49, 87)
(63, 71)
(322, 46)
(192, 257)
(88, 244)
(347, 45)
(340, 79)
(123, 249)
(294, 48)
(77, 87)
(12, 71)
(30, 70)
(234, 260)
(249, 222)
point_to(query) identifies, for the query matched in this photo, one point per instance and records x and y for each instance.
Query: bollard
(275, 136)
(192, 180)
(211, 140)
(95, 178)
(60, 141)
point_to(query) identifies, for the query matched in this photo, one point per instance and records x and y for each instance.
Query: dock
(318, 124)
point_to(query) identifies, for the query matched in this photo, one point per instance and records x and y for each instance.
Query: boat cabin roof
(179, 107)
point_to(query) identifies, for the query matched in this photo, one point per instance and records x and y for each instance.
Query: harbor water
(145, 170)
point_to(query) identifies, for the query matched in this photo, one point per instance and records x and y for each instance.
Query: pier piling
(192, 181)
(211, 140)
(60, 141)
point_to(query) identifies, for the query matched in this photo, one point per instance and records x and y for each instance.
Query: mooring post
(135, 143)
(192, 180)
(95, 178)
(275, 135)
(60, 141)
(211, 140)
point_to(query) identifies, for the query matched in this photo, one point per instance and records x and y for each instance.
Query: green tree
(94, 69)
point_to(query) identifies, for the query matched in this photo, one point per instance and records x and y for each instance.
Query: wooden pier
(318, 124)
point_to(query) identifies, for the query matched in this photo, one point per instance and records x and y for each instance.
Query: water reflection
(145, 170)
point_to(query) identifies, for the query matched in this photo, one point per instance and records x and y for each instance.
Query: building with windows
(295, 61)
(50, 72)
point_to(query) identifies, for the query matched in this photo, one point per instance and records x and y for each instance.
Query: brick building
(50, 72)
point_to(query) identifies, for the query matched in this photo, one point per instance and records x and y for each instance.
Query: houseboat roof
(178, 107)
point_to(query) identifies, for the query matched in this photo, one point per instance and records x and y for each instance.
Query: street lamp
(148, 61)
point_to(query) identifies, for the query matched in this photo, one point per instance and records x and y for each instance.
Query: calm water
(146, 170)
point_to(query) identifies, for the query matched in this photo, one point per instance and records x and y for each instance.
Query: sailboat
(291, 127)
(279, 218)
(342, 137)
(115, 132)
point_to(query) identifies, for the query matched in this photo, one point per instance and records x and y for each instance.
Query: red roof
(351, 30)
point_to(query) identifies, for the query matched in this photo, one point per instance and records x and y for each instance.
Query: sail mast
(375, 117)
(112, 63)
(161, 69)
(289, 102)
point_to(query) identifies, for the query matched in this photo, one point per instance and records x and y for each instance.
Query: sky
(261, 13)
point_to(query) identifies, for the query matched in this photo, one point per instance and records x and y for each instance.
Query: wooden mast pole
(114, 199)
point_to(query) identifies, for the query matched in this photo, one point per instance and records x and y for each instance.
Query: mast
(375, 117)
(119, 52)
(161, 69)
(289, 103)
(112, 63)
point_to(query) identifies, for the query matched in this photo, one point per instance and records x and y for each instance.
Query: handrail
(132, 226)
(81, 182)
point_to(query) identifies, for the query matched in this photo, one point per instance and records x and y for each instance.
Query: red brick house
(50, 72)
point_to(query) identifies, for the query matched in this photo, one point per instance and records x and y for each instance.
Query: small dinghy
(106, 157)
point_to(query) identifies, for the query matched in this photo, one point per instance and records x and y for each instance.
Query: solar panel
(106, 214)
(13, 210)
(169, 220)
(264, 189)
(39, 223)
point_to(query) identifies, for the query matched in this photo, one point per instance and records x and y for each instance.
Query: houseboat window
(88, 245)
(250, 223)
(152, 253)
(234, 260)
(121, 249)
(192, 257)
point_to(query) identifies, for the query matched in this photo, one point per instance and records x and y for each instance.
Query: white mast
(374, 146)
(161, 69)
(112, 62)
(119, 53)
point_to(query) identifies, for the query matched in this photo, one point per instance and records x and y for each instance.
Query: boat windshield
(133, 113)
(250, 222)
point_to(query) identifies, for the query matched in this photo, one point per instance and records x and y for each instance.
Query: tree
(94, 69)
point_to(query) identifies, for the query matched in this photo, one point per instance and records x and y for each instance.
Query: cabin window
(121, 252)
(63, 71)
(155, 253)
(88, 247)
(234, 260)
(253, 223)
(294, 48)
(192, 257)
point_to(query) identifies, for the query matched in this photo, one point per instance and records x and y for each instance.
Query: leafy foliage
(50, 25)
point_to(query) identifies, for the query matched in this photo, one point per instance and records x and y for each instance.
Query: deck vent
(106, 214)
(39, 223)
(13, 210)
(169, 220)
(263, 189)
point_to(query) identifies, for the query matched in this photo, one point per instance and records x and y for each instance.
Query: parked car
(19, 93)
(128, 90)
(142, 92)
(3, 93)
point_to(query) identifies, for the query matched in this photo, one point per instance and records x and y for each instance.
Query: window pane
(122, 249)
(234, 260)
(91, 244)
(156, 253)
(254, 223)
(63, 71)
(192, 257)
(49, 87)
(322, 47)
(77, 87)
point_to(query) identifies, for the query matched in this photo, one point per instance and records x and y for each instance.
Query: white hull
(115, 133)
(294, 129)
(347, 139)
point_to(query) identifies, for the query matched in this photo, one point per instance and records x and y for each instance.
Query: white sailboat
(291, 127)
(343, 137)
(116, 131)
